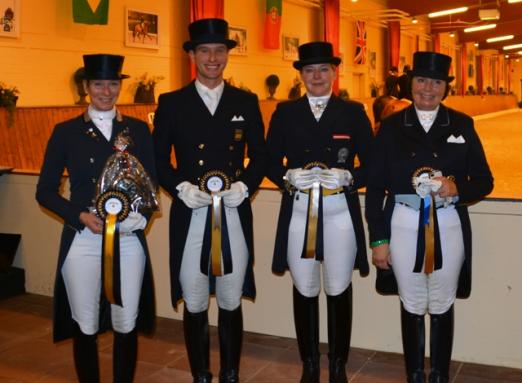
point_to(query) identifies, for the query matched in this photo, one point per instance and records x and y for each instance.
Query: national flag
(91, 11)
(360, 43)
(274, 10)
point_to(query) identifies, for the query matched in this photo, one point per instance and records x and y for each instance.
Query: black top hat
(432, 65)
(103, 67)
(208, 31)
(316, 52)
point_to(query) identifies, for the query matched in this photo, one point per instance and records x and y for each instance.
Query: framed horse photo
(141, 29)
(9, 18)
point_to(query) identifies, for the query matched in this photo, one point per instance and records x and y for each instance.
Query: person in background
(391, 83)
(210, 124)
(312, 143)
(81, 146)
(404, 83)
(427, 167)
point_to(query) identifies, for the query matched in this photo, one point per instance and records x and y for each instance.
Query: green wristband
(379, 242)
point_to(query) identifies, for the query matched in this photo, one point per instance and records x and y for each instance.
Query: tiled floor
(27, 355)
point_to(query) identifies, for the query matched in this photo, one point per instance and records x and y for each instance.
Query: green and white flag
(91, 11)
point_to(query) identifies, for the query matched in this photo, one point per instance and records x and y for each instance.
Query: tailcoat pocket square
(236, 118)
(456, 140)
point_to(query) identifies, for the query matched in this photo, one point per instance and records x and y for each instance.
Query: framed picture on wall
(9, 18)
(141, 29)
(290, 45)
(239, 35)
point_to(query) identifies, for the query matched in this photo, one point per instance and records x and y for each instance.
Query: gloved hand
(425, 186)
(192, 196)
(301, 179)
(234, 196)
(135, 221)
(335, 178)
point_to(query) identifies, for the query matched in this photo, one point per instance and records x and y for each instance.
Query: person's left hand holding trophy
(125, 194)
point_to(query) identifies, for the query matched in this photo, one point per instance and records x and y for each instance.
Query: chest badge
(342, 155)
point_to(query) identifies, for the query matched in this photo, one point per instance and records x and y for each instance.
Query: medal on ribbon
(313, 236)
(113, 207)
(213, 182)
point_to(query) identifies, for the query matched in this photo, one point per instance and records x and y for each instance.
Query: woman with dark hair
(427, 166)
(84, 302)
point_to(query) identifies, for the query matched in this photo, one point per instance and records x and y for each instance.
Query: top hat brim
(208, 39)
(316, 60)
(105, 76)
(431, 74)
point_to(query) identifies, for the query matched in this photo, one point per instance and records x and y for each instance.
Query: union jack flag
(360, 43)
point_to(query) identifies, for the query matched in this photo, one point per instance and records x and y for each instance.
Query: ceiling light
(476, 44)
(506, 56)
(452, 34)
(448, 12)
(480, 28)
(489, 14)
(514, 1)
(519, 52)
(415, 21)
(500, 38)
(508, 47)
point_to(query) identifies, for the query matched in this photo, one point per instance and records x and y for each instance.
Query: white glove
(425, 186)
(234, 196)
(301, 179)
(192, 196)
(335, 178)
(135, 221)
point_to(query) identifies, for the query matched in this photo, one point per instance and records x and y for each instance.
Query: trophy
(123, 187)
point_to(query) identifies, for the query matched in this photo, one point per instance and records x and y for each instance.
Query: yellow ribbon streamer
(108, 257)
(429, 238)
(313, 218)
(215, 248)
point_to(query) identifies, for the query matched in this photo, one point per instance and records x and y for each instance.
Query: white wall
(488, 327)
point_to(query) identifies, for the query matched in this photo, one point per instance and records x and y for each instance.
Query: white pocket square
(236, 118)
(456, 140)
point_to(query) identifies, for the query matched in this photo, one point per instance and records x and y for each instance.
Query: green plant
(8, 98)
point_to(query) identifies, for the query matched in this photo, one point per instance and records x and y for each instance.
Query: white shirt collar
(95, 114)
(427, 117)
(203, 89)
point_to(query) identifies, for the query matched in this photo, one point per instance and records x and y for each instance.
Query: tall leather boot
(230, 329)
(413, 344)
(85, 351)
(339, 334)
(195, 328)
(124, 355)
(306, 319)
(441, 344)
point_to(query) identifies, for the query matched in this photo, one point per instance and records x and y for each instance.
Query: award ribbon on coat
(428, 239)
(113, 207)
(213, 182)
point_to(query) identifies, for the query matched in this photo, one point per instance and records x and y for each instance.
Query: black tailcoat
(296, 135)
(401, 147)
(80, 148)
(204, 142)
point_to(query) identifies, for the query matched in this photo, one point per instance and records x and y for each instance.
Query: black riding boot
(339, 334)
(230, 328)
(85, 350)
(306, 319)
(124, 355)
(441, 344)
(413, 345)
(195, 328)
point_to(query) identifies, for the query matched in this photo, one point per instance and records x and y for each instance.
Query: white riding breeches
(340, 247)
(81, 273)
(420, 292)
(195, 284)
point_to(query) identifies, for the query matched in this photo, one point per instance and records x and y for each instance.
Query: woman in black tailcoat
(81, 146)
(427, 167)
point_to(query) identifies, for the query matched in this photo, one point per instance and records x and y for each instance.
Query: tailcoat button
(201, 146)
(91, 160)
(201, 162)
(435, 155)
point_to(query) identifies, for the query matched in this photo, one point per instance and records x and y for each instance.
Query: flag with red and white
(360, 43)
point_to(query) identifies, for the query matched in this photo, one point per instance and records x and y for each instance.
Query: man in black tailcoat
(208, 124)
